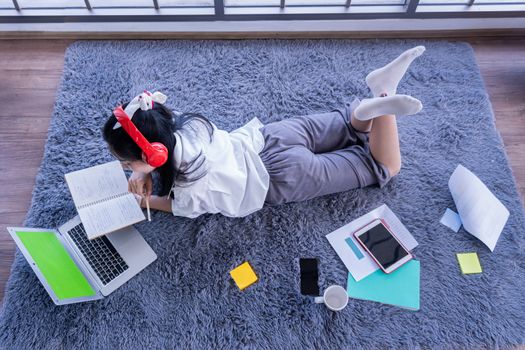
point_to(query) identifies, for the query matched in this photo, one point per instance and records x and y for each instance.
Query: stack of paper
(399, 288)
(366, 280)
(355, 258)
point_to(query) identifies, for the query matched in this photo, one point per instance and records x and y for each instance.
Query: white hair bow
(144, 101)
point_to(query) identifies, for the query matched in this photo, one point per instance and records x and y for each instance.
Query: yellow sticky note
(243, 275)
(469, 263)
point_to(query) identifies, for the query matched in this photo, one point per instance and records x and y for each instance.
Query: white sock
(386, 79)
(370, 108)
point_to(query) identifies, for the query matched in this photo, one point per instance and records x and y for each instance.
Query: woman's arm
(158, 203)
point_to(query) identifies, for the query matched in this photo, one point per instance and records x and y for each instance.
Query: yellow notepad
(469, 263)
(243, 275)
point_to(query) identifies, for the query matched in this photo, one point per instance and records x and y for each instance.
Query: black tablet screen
(383, 246)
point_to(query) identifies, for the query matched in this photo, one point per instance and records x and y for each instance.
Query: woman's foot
(386, 79)
(370, 108)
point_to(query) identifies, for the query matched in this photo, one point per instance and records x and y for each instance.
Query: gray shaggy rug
(186, 299)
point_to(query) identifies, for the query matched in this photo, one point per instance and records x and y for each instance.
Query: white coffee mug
(334, 297)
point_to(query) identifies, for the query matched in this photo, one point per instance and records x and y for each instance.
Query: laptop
(73, 268)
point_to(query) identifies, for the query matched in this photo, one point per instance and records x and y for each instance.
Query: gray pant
(316, 155)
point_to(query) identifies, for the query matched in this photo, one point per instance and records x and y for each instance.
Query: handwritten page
(102, 199)
(109, 216)
(359, 263)
(97, 183)
(481, 213)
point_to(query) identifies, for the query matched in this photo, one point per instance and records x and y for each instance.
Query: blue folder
(399, 288)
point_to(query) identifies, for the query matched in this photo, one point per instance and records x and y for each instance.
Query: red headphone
(155, 153)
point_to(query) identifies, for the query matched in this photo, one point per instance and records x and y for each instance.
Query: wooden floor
(30, 71)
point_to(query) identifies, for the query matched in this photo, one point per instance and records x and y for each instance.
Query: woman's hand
(156, 202)
(139, 200)
(140, 184)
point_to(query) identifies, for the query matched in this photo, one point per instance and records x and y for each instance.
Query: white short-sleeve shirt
(235, 182)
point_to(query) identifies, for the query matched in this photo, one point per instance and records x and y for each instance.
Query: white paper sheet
(482, 214)
(109, 216)
(101, 196)
(97, 183)
(364, 266)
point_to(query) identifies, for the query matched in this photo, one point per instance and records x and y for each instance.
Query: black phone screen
(383, 246)
(309, 277)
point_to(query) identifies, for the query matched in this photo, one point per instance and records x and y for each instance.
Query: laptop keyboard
(100, 254)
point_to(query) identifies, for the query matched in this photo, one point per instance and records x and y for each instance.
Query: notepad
(469, 263)
(243, 275)
(399, 288)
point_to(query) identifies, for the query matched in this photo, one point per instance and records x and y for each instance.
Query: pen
(147, 208)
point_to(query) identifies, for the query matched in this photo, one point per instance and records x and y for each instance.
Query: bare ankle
(394, 170)
(360, 125)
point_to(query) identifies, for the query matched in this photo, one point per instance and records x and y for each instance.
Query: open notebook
(102, 199)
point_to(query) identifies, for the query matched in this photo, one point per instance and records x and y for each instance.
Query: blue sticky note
(451, 219)
(354, 248)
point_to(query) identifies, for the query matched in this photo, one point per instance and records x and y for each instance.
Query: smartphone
(309, 276)
(382, 245)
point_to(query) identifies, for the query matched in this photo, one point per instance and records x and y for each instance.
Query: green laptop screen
(62, 274)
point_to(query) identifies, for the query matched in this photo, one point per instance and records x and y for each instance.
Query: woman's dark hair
(158, 125)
